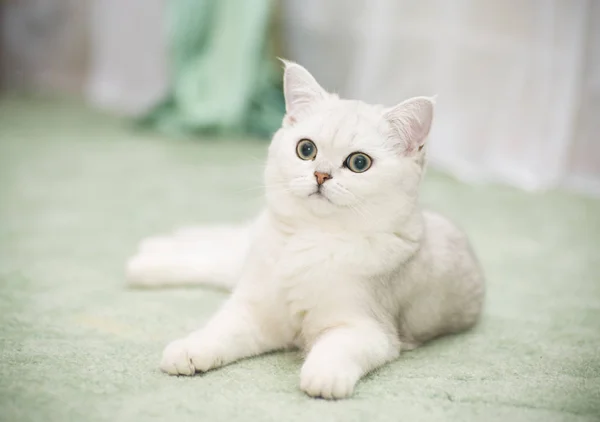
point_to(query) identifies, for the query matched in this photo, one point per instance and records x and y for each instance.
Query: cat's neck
(409, 227)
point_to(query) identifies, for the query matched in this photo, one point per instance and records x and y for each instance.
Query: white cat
(342, 263)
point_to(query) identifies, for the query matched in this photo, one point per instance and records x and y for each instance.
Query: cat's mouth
(319, 195)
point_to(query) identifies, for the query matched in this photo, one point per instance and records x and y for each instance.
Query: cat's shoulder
(438, 225)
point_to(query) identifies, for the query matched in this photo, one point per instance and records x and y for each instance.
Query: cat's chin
(321, 205)
(320, 196)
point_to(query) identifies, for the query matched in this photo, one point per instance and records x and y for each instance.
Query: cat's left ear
(301, 90)
(410, 122)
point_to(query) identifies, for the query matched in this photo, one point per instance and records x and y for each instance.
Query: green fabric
(223, 80)
(77, 192)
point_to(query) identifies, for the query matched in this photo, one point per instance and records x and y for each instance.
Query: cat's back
(445, 261)
(443, 287)
(445, 247)
(441, 227)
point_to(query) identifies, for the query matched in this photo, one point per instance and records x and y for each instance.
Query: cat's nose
(321, 177)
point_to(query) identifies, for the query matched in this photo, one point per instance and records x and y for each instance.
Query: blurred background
(518, 81)
(121, 119)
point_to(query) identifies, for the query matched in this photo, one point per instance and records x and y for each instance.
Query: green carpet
(77, 192)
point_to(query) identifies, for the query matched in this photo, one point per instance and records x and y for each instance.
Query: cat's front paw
(189, 355)
(328, 379)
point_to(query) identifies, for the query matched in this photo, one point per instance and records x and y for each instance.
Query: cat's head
(345, 160)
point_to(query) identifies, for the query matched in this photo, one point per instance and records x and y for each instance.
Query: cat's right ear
(301, 90)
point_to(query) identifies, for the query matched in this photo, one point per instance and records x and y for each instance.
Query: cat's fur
(353, 276)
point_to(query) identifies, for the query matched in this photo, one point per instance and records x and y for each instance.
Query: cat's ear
(301, 90)
(410, 122)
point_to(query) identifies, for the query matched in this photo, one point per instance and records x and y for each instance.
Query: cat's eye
(358, 162)
(306, 149)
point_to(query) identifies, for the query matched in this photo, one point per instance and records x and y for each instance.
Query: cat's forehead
(346, 123)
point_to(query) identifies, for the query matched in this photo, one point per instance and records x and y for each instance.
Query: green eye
(358, 162)
(306, 149)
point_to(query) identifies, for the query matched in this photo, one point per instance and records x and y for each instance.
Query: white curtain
(518, 81)
(128, 69)
(114, 51)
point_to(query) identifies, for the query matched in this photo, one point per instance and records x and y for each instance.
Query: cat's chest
(313, 269)
(320, 278)
(327, 259)
(311, 255)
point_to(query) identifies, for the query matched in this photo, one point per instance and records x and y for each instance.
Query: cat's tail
(191, 256)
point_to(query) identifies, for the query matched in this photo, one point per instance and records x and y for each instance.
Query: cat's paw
(189, 355)
(328, 379)
(175, 359)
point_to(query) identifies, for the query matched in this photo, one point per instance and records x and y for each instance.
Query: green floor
(78, 190)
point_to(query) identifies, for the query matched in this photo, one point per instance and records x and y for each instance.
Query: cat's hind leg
(191, 256)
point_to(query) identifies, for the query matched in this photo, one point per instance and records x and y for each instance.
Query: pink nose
(321, 177)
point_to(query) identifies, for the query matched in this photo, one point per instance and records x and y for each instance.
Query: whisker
(362, 205)
(357, 212)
